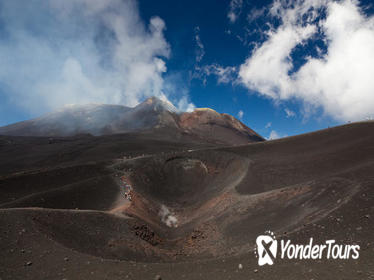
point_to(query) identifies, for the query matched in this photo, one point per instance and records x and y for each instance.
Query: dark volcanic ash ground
(195, 208)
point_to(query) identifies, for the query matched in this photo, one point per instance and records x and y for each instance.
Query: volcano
(176, 201)
(152, 114)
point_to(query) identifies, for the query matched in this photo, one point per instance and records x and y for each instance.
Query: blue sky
(282, 67)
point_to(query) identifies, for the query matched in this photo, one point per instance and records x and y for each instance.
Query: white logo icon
(266, 248)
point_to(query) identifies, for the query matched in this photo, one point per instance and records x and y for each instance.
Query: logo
(267, 247)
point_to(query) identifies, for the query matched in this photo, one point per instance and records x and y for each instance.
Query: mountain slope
(210, 124)
(69, 120)
(68, 217)
(102, 119)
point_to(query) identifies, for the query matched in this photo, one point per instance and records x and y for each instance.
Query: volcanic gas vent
(188, 178)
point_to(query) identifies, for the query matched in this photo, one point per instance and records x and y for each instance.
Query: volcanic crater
(190, 203)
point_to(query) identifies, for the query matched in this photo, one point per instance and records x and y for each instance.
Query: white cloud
(175, 83)
(275, 135)
(267, 69)
(289, 113)
(224, 74)
(235, 9)
(255, 14)
(200, 52)
(339, 81)
(80, 51)
(185, 106)
(240, 114)
(268, 125)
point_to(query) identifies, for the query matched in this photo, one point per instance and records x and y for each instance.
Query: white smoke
(56, 52)
(167, 217)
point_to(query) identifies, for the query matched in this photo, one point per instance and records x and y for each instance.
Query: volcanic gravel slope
(195, 209)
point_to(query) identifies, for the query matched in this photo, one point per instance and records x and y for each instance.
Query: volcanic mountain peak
(208, 122)
(159, 104)
(153, 113)
(207, 116)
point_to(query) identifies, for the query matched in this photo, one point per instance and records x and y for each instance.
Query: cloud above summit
(78, 51)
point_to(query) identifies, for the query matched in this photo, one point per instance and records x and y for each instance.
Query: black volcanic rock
(153, 113)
